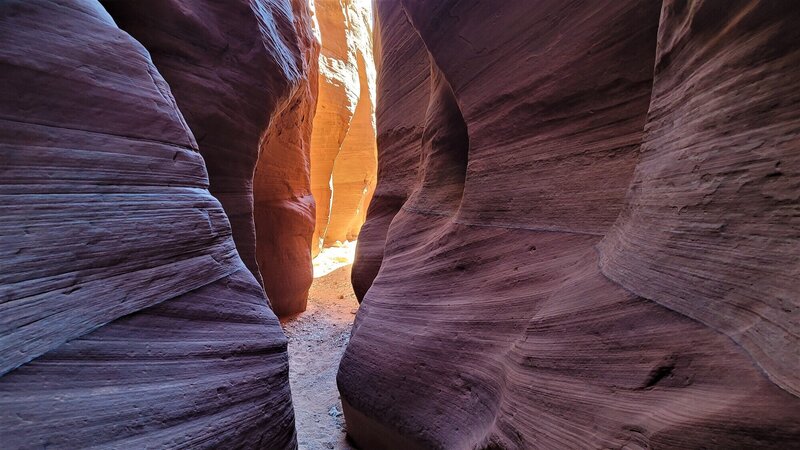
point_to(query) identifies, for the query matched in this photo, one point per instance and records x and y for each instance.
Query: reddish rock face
(593, 253)
(128, 318)
(284, 206)
(244, 75)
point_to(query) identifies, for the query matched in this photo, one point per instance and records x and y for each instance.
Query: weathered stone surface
(712, 225)
(540, 284)
(403, 87)
(244, 75)
(343, 161)
(127, 318)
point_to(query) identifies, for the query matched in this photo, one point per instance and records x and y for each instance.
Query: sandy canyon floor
(317, 338)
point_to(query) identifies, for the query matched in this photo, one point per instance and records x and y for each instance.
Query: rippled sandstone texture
(244, 75)
(404, 88)
(599, 247)
(127, 318)
(343, 148)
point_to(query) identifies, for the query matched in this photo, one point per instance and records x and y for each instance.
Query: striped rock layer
(127, 317)
(585, 228)
(244, 75)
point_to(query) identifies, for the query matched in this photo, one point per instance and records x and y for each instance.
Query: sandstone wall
(284, 205)
(403, 86)
(598, 248)
(127, 317)
(711, 228)
(244, 75)
(343, 148)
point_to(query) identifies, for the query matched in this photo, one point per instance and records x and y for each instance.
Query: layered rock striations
(343, 148)
(403, 83)
(711, 228)
(244, 75)
(127, 317)
(598, 248)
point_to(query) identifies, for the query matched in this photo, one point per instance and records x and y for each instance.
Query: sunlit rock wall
(284, 205)
(244, 75)
(343, 149)
(127, 317)
(599, 248)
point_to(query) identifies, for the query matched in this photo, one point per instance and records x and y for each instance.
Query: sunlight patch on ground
(340, 254)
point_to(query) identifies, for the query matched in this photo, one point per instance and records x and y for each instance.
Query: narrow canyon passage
(317, 339)
(578, 224)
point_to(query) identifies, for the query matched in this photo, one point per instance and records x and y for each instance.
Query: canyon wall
(598, 247)
(343, 148)
(244, 75)
(284, 205)
(403, 87)
(127, 317)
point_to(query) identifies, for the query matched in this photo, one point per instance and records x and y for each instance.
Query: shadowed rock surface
(244, 75)
(127, 318)
(585, 232)
(599, 247)
(403, 86)
(343, 149)
(711, 228)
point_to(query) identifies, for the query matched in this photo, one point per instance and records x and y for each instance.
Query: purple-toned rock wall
(244, 74)
(127, 317)
(599, 247)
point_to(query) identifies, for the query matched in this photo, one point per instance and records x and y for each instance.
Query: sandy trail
(317, 339)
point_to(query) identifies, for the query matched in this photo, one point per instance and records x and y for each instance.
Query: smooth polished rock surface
(403, 87)
(244, 75)
(712, 225)
(127, 317)
(284, 205)
(598, 248)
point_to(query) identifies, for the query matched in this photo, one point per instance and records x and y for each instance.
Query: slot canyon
(400, 224)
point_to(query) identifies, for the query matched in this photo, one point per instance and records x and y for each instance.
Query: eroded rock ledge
(616, 262)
